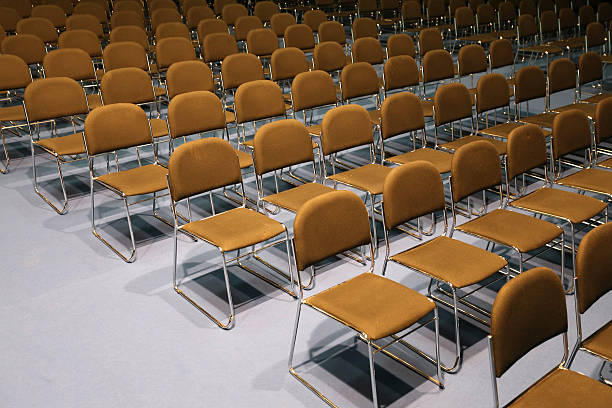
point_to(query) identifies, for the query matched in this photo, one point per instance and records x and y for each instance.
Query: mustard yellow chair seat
(63, 145)
(12, 114)
(159, 127)
(139, 180)
(597, 98)
(452, 261)
(294, 198)
(314, 130)
(94, 101)
(595, 180)
(457, 143)
(427, 106)
(370, 178)
(600, 342)
(606, 163)
(234, 229)
(544, 48)
(586, 108)
(441, 160)
(372, 305)
(543, 119)
(503, 130)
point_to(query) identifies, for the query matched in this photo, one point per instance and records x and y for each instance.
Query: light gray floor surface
(81, 328)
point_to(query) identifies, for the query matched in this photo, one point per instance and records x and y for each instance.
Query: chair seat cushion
(586, 108)
(543, 119)
(595, 180)
(230, 117)
(482, 38)
(507, 34)
(597, 98)
(512, 229)
(370, 178)
(469, 264)
(563, 388)
(374, 116)
(63, 145)
(12, 114)
(139, 180)
(159, 127)
(234, 229)
(565, 204)
(244, 159)
(314, 130)
(294, 198)
(457, 143)
(606, 163)
(441, 160)
(373, 305)
(94, 101)
(600, 342)
(427, 106)
(502, 130)
(544, 48)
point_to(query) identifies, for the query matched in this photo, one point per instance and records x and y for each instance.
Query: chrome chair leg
(601, 377)
(372, 375)
(64, 206)
(4, 166)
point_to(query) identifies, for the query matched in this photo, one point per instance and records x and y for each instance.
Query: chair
(359, 80)
(262, 42)
(197, 14)
(232, 12)
(595, 36)
(415, 190)
(364, 27)
(438, 66)
(506, 20)
(368, 49)
(517, 231)
(45, 101)
(230, 230)
(332, 31)
(430, 39)
(81, 39)
(529, 310)
(165, 15)
(286, 64)
(590, 69)
(52, 13)
(501, 55)
(527, 151)
(279, 23)
(85, 22)
(218, 5)
(93, 9)
(14, 76)
(114, 128)
(122, 54)
(238, 69)
(411, 16)
(530, 84)
(188, 76)
(209, 26)
(528, 7)
(592, 282)
(40, 27)
(400, 44)
(217, 46)
(312, 90)
(374, 306)
(603, 130)
(9, 18)
(604, 13)
(28, 47)
(189, 4)
(300, 36)
(135, 6)
(314, 18)
(123, 18)
(172, 50)
(471, 60)
(402, 114)
(436, 14)
(155, 5)
(244, 25)
(264, 10)
(172, 29)
(401, 72)
(131, 33)
(329, 56)
(22, 7)
(65, 5)
(527, 33)
(586, 15)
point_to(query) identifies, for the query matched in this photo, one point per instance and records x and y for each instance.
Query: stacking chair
(131, 33)
(520, 232)
(238, 69)
(358, 81)
(46, 101)
(312, 90)
(262, 42)
(586, 16)
(465, 25)
(279, 23)
(526, 152)
(164, 15)
(9, 18)
(126, 54)
(415, 190)
(155, 5)
(40, 27)
(329, 56)
(93, 9)
(374, 306)
(209, 26)
(244, 25)
(51, 12)
(313, 19)
(189, 4)
(595, 37)
(217, 46)
(278, 146)
(300, 36)
(401, 72)
(85, 22)
(368, 49)
(590, 69)
(438, 67)
(412, 16)
(603, 130)
(429, 39)
(592, 282)
(332, 31)
(123, 18)
(604, 13)
(344, 128)
(218, 5)
(436, 15)
(65, 5)
(189, 76)
(402, 114)
(232, 12)
(264, 10)
(135, 6)
(506, 20)
(501, 55)
(530, 84)
(22, 7)
(172, 50)
(528, 7)
(286, 63)
(172, 29)
(76, 64)
(400, 44)
(528, 311)
(109, 130)
(471, 60)
(197, 14)
(364, 27)
(527, 33)
(486, 19)
(231, 230)
(14, 76)
(28, 47)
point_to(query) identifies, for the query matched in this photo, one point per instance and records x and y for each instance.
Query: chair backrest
(345, 127)
(165, 15)
(549, 22)
(244, 25)
(438, 65)
(464, 18)
(571, 131)
(125, 54)
(314, 18)
(492, 92)
(312, 89)
(65, 5)
(411, 11)
(530, 84)
(527, 26)
(261, 42)
(327, 225)
(9, 18)
(603, 120)
(590, 68)
(189, 76)
(359, 79)
(281, 144)
(400, 44)
(197, 14)
(367, 6)
(410, 191)
(400, 72)
(595, 34)
(130, 33)
(155, 5)
(332, 31)
(123, 18)
(364, 27)
(28, 47)
(217, 46)
(401, 113)
(545, 5)
(238, 69)
(453, 5)
(92, 9)
(209, 26)
(329, 56)
(586, 15)
(436, 9)
(299, 36)
(526, 150)
(127, 85)
(593, 266)
(561, 75)
(115, 127)
(40, 27)
(85, 22)
(51, 12)
(604, 12)
(368, 49)
(52, 98)
(485, 15)
(173, 49)
(567, 19)
(22, 7)
(430, 39)
(135, 6)
(218, 5)
(189, 4)
(265, 10)
(506, 12)
(82, 39)
(257, 100)
(286, 63)
(279, 23)
(472, 59)
(172, 29)
(468, 178)
(69, 62)
(528, 7)
(501, 53)
(195, 112)
(232, 12)
(528, 310)
(14, 73)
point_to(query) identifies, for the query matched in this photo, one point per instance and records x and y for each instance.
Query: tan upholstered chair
(82, 39)
(210, 26)
(230, 13)
(314, 18)
(51, 12)
(123, 18)
(238, 69)
(164, 15)
(46, 100)
(189, 76)
(528, 33)
(368, 49)
(261, 42)
(590, 69)
(364, 27)
(372, 305)
(358, 81)
(172, 50)
(91, 8)
(329, 56)
(603, 130)
(279, 23)
(196, 14)
(264, 10)
(332, 31)
(28, 47)
(40, 27)
(400, 44)
(131, 33)
(217, 46)
(9, 18)
(531, 84)
(244, 25)
(172, 29)
(200, 167)
(415, 190)
(312, 90)
(300, 36)
(529, 310)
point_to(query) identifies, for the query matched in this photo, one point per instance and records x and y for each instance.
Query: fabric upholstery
(439, 159)
(452, 102)
(299, 36)
(295, 197)
(28, 47)
(12, 114)
(127, 85)
(281, 144)
(430, 39)
(593, 267)
(590, 68)
(492, 92)
(438, 65)
(54, 98)
(596, 180)
(257, 100)
(172, 29)
(401, 71)
(600, 342)
(130, 33)
(329, 56)
(526, 150)
(279, 23)
(261, 41)
(501, 53)
(474, 167)
(69, 62)
(189, 76)
(195, 112)
(217, 46)
(561, 75)
(244, 25)
(370, 177)
(364, 27)
(400, 44)
(574, 207)
(136, 181)
(312, 89)
(332, 31)
(571, 132)
(286, 63)
(82, 39)
(603, 120)
(173, 49)
(499, 145)
(472, 59)
(63, 145)
(368, 49)
(401, 113)
(359, 79)
(344, 127)
(238, 69)
(530, 84)
(40, 27)
(15, 73)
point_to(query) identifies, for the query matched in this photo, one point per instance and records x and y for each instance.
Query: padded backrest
(400, 44)
(195, 112)
(197, 14)
(314, 18)
(530, 84)
(472, 59)
(126, 85)
(52, 98)
(164, 15)
(256, 100)
(359, 79)
(173, 49)
(51, 12)
(595, 34)
(279, 23)
(312, 89)
(594, 266)
(281, 144)
(430, 39)
(345, 127)
(526, 150)
(130, 33)
(438, 65)
(9, 18)
(492, 92)
(590, 68)
(286, 63)
(238, 69)
(82, 39)
(28, 47)
(401, 71)
(232, 12)
(364, 27)
(603, 120)
(452, 102)
(265, 10)
(189, 76)
(261, 41)
(123, 55)
(38, 26)
(474, 167)
(244, 25)
(218, 46)
(561, 75)
(209, 26)
(85, 22)
(571, 131)
(401, 113)
(69, 62)
(172, 29)
(501, 53)
(368, 50)
(14, 73)
(332, 31)
(299, 36)
(329, 56)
